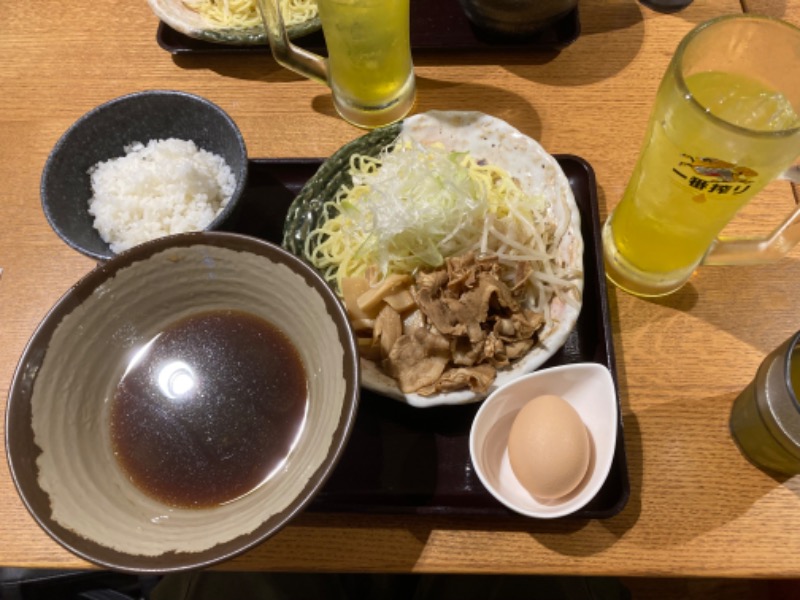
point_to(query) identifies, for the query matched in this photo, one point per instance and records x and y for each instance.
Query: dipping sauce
(549, 447)
(209, 408)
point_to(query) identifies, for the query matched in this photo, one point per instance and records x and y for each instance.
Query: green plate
(306, 211)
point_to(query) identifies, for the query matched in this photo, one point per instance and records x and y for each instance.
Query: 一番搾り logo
(714, 176)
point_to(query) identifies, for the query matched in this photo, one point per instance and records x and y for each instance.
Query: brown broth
(209, 409)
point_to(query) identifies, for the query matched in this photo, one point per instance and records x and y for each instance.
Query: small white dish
(589, 388)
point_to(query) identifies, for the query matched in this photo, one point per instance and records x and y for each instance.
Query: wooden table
(697, 507)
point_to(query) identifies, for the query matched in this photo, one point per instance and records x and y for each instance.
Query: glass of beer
(369, 66)
(725, 123)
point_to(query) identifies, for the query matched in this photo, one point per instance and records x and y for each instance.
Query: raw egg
(549, 447)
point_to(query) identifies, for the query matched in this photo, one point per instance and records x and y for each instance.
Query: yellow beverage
(368, 68)
(703, 160)
(794, 372)
(369, 51)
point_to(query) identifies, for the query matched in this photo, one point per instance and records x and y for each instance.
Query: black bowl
(102, 134)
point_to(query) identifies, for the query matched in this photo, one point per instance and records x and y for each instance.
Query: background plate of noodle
(489, 139)
(233, 21)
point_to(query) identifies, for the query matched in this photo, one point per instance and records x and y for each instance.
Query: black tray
(401, 459)
(435, 25)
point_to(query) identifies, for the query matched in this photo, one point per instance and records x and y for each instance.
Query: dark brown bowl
(57, 415)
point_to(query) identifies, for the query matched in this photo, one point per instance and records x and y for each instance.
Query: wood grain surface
(697, 507)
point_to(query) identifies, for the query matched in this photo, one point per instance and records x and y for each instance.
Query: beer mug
(725, 123)
(765, 418)
(369, 67)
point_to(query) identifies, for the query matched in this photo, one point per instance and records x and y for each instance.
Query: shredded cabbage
(415, 205)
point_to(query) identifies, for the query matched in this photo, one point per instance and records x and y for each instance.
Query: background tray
(402, 459)
(435, 25)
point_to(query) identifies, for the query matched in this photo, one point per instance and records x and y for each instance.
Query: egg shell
(548, 447)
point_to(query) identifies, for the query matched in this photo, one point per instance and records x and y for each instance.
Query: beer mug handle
(744, 251)
(284, 51)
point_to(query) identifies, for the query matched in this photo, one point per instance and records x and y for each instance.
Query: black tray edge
(620, 455)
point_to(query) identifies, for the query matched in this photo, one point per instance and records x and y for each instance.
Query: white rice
(166, 187)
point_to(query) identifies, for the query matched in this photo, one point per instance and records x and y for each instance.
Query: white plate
(189, 22)
(484, 137)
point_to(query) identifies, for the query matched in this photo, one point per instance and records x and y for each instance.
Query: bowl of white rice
(143, 166)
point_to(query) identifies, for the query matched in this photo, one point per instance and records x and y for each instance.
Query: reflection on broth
(209, 408)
